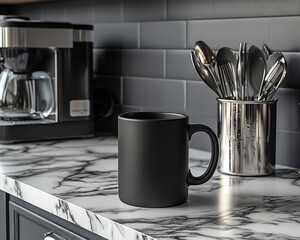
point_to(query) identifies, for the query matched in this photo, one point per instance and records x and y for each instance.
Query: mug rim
(152, 116)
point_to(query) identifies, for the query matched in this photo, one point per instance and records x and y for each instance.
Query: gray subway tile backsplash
(163, 35)
(154, 93)
(106, 11)
(293, 70)
(201, 100)
(110, 84)
(279, 33)
(204, 9)
(288, 109)
(31, 10)
(137, 10)
(116, 35)
(142, 53)
(99, 60)
(284, 33)
(78, 11)
(189, 9)
(133, 62)
(146, 63)
(179, 65)
(228, 32)
(54, 11)
(287, 148)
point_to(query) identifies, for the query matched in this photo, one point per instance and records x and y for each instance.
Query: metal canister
(247, 136)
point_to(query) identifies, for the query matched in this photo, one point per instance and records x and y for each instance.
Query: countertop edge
(70, 212)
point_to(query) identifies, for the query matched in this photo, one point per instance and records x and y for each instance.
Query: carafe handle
(45, 93)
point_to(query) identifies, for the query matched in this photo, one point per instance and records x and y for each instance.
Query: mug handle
(191, 179)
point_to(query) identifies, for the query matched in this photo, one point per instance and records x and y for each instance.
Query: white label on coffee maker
(80, 108)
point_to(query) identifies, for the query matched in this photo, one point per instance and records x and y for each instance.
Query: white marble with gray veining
(77, 180)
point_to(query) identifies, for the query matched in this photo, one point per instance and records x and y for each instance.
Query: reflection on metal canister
(247, 136)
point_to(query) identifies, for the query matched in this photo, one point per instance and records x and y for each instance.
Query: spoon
(271, 61)
(204, 74)
(206, 56)
(276, 84)
(241, 68)
(274, 78)
(266, 51)
(256, 69)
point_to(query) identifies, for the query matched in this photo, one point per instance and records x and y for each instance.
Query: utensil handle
(217, 81)
(192, 180)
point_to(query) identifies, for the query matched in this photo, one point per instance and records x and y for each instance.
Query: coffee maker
(45, 80)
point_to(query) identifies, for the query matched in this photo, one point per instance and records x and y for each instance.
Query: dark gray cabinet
(27, 225)
(3, 216)
(22, 221)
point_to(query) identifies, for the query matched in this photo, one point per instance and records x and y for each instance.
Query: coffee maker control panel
(80, 108)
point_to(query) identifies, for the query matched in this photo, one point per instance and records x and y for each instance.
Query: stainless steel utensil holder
(247, 136)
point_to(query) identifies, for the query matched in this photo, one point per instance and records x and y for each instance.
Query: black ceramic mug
(153, 158)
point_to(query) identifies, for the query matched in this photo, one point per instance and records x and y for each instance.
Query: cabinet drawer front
(3, 216)
(26, 225)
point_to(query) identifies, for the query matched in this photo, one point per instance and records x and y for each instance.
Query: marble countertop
(78, 181)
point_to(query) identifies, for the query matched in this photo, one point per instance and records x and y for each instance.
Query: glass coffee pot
(25, 92)
(25, 95)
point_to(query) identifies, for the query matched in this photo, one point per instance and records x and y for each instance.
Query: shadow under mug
(153, 158)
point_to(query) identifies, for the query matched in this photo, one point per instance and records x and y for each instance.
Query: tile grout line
(42, 13)
(165, 64)
(121, 89)
(165, 9)
(139, 35)
(268, 30)
(65, 13)
(185, 34)
(94, 11)
(122, 11)
(184, 95)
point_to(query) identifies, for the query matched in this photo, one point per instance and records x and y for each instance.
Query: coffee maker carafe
(25, 94)
(46, 70)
